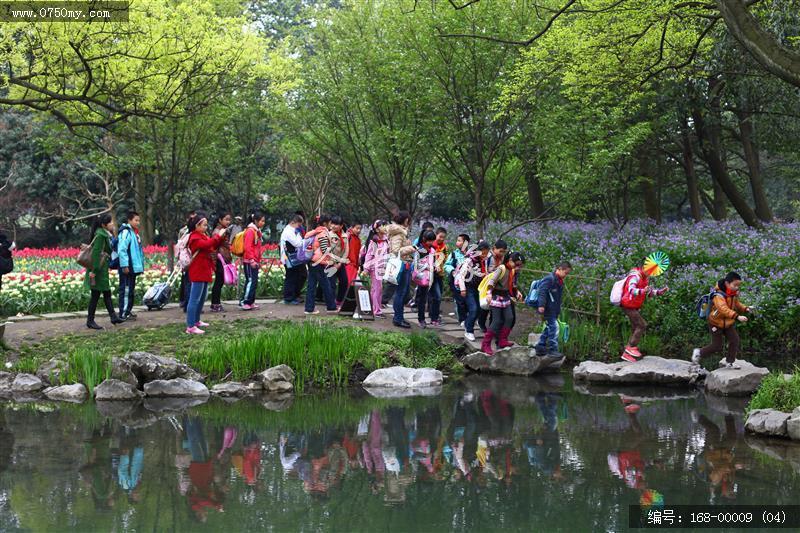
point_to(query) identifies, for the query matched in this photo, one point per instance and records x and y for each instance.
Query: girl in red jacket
(201, 269)
(252, 260)
(637, 289)
(353, 252)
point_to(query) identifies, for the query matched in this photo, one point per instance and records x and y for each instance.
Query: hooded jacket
(129, 249)
(725, 308)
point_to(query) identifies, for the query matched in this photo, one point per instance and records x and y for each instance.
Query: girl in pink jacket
(375, 263)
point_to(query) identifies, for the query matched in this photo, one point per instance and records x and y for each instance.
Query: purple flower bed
(700, 254)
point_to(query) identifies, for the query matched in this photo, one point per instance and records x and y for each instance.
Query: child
(316, 269)
(338, 252)
(636, 290)
(451, 267)
(549, 306)
(353, 252)
(375, 263)
(502, 289)
(469, 277)
(437, 284)
(201, 270)
(397, 233)
(426, 226)
(424, 249)
(726, 311)
(495, 259)
(253, 253)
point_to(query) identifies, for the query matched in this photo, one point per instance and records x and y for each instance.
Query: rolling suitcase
(159, 294)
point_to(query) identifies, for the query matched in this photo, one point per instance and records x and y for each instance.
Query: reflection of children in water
(717, 461)
(205, 491)
(371, 451)
(97, 472)
(127, 461)
(628, 464)
(494, 451)
(544, 448)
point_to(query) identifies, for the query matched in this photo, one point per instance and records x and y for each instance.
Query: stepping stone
(736, 382)
(516, 360)
(648, 370)
(24, 318)
(57, 316)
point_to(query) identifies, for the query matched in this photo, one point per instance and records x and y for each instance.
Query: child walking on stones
(725, 312)
(502, 289)
(636, 290)
(551, 290)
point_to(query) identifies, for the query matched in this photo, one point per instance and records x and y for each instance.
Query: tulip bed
(49, 280)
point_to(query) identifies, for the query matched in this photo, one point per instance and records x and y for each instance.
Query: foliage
(777, 392)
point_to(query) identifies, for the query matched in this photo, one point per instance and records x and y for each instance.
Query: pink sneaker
(194, 330)
(246, 307)
(202, 324)
(255, 306)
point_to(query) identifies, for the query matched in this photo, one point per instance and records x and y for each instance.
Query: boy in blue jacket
(131, 263)
(549, 306)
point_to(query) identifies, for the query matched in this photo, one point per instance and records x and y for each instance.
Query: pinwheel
(656, 264)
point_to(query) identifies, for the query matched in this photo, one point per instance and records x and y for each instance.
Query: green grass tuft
(777, 392)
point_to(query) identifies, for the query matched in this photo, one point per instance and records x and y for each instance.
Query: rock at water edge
(231, 389)
(516, 360)
(178, 387)
(26, 383)
(116, 390)
(76, 393)
(400, 376)
(793, 425)
(648, 370)
(767, 422)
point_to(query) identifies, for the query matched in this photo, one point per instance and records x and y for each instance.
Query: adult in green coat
(96, 279)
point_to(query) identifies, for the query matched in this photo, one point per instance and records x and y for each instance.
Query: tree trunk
(479, 210)
(751, 156)
(719, 203)
(710, 147)
(142, 206)
(647, 185)
(692, 189)
(535, 197)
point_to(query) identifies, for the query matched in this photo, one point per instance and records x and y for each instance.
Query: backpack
(617, 290)
(114, 263)
(237, 245)
(483, 289)
(532, 300)
(705, 304)
(183, 257)
(423, 271)
(305, 252)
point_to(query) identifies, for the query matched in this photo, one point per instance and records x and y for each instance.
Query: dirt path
(33, 331)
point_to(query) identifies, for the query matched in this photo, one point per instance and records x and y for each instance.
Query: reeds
(777, 392)
(87, 367)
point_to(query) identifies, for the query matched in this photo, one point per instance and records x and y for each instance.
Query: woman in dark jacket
(96, 279)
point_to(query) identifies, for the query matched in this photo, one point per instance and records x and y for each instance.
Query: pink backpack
(423, 270)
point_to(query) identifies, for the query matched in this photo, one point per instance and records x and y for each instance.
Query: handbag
(394, 266)
(230, 273)
(422, 273)
(84, 258)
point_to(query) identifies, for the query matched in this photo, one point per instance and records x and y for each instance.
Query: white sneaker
(733, 366)
(461, 323)
(696, 356)
(469, 336)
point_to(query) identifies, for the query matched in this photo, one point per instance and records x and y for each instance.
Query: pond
(487, 454)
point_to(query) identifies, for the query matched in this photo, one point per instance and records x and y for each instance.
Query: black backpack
(6, 261)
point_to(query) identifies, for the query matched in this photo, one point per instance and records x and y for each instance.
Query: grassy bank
(777, 392)
(322, 354)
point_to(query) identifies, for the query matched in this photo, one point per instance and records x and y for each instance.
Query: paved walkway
(36, 328)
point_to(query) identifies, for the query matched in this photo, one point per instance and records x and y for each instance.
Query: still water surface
(488, 454)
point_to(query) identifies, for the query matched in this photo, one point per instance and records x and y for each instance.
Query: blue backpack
(532, 300)
(114, 261)
(705, 304)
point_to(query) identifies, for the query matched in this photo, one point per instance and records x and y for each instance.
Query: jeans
(94, 299)
(502, 317)
(219, 281)
(127, 286)
(250, 285)
(316, 276)
(403, 283)
(422, 295)
(197, 298)
(460, 301)
(549, 338)
(435, 297)
(473, 308)
(293, 282)
(339, 284)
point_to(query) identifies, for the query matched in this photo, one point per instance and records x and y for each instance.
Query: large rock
(6, 380)
(122, 370)
(75, 393)
(277, 379)
(400, 376)
(52, 371)
(148, 367)
(26, 383)
(767, 422)
(736, 382)
(793, 425)
(516, 360)
(649, 370)
(178, 387)
(116, 390)
(231, 389)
